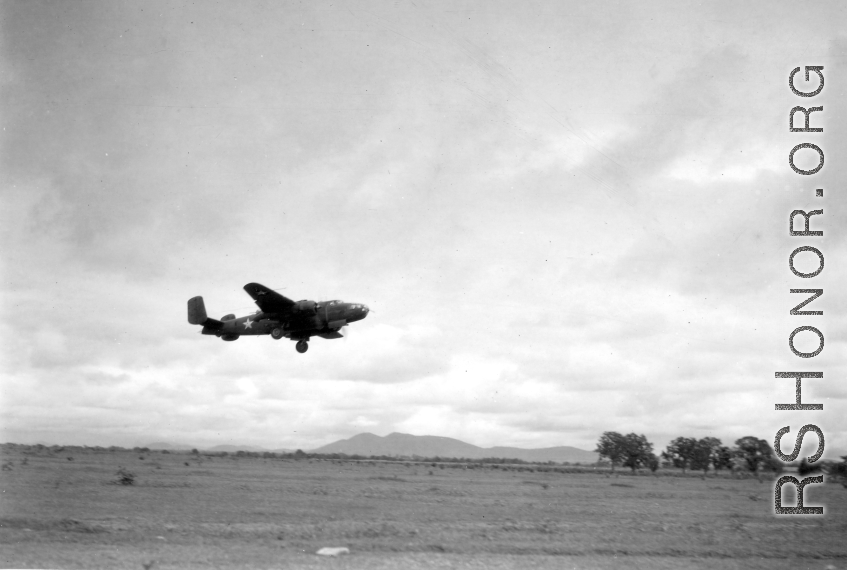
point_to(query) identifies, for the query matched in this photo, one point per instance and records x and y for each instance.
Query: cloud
(557, 231)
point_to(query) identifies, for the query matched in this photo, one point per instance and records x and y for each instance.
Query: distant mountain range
(406, 445)
(227, 448)
(169, 446)
(234, 448)
(402, 444)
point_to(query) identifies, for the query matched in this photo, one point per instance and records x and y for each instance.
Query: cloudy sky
(567, 217)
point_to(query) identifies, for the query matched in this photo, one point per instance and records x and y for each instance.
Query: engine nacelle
(306, 307)
(229, 337)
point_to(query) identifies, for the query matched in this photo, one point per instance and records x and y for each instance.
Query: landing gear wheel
(276, 333)
(302, 346)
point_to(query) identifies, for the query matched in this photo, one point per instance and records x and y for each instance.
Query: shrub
(125, 477)
(805, 468)
(837, 471)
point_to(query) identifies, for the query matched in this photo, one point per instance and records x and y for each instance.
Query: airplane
(280, 317)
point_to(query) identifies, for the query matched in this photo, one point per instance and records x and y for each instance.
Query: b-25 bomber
(280, 317)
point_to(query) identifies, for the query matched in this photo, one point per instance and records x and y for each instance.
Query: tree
(653, 463)
(700, 458)
(755, 452)
(680, 452)
(704, 452)
(722, 458)
(610, 446)
(637, 451)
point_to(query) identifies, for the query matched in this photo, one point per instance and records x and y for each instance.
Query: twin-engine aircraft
(280, 317)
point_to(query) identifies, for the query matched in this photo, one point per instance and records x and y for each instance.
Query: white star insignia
(248, 323)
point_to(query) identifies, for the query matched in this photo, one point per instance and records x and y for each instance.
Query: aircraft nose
(356, 312)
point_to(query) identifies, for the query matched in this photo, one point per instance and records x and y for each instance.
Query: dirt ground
(65, 511)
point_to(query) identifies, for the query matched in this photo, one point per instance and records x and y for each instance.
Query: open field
(272, 513)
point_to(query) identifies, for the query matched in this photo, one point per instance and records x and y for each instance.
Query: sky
(566, 217)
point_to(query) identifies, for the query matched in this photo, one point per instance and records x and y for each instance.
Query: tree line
(687, 453)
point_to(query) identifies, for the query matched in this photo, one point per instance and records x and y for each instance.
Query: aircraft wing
(269, 301)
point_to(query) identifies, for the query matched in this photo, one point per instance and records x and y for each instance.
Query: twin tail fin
(197, 314)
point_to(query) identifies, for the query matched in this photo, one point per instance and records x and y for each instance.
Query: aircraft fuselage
(324, 317)
(279, 317)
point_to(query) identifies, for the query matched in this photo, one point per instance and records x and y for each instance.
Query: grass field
(272, 513)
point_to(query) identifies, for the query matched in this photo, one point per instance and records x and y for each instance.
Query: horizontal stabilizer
(212, 326)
